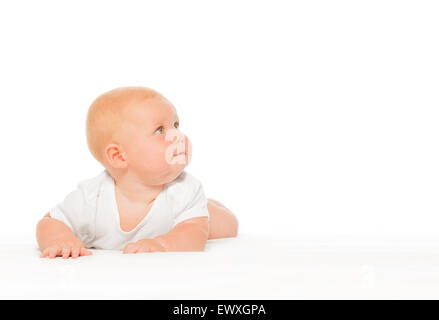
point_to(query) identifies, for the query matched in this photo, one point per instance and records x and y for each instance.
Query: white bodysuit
(91, 211)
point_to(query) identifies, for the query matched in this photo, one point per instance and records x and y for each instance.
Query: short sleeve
(75, 213)
(195, 206)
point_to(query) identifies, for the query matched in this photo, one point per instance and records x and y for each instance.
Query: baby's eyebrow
(159, 123)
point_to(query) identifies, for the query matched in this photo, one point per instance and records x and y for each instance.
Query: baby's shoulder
(183, 187)
(92, 187)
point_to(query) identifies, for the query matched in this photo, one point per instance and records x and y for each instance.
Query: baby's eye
(176, 125)
(159, 130)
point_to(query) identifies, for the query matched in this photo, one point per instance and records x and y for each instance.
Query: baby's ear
(115, 156)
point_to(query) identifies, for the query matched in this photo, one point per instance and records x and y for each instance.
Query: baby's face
(155, 149)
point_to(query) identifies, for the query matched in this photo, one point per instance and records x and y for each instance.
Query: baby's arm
(188, 235)
(56, 239)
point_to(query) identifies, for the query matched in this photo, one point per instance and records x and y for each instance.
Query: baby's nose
(183, 143)
(174, 135)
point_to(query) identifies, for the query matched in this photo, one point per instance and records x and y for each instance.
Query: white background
(307, 118)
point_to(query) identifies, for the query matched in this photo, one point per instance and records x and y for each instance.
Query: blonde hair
(106, 114)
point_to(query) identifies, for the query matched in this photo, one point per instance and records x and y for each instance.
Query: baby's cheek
(152, 157)
(158, 156)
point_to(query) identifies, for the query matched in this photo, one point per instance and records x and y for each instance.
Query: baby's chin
(173, 173)
(167, 171)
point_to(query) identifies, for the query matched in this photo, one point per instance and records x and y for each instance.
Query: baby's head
(134, 130)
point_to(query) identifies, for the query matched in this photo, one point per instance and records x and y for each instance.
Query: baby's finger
(45, 253)
(53, 251)
(84, 252)
(75, 252)
(144, 249)
(135, 250)
(65, 252)
(131, 248)
(128, 249)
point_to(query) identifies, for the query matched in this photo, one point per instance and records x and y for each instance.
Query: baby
(143, 201)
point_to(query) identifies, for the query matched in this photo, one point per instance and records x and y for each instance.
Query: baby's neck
(135, 191)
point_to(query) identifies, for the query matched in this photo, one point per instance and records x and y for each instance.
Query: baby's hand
(144, 245)
(65, 248)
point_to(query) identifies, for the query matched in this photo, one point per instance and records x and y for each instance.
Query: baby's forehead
(150, 111)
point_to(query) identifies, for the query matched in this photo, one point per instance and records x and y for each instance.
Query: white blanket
(247, 267)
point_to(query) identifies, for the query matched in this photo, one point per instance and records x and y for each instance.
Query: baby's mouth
(178, 154)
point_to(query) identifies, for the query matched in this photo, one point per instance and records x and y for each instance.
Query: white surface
(247, 267)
